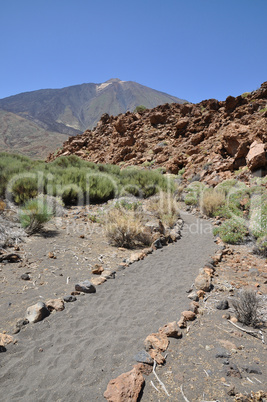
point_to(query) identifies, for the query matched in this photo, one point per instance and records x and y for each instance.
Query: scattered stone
(85, 286)
(157, 244)
(234, 319)
(203, 282)
(122, 266)
(189, 315)
(10, 258)
(233, 371)
(75, 293)
(227, 316)
(37, 312)
(126, 387)
(51, 255)
(157, 356)
(55, 304)
(193, 296)
(252, 370)
(182, 322)
(158, 341)
(97, 270)
(108, 274)
(25, 277)
(223, 305)
(222, 353)
(201, 294)
(5, 340)
(171, 330)
(98, 281)
(144, 368)
(143, 357)
(194, 306)
(69, 299)
(21, 323)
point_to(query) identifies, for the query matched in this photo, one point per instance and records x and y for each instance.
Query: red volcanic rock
(256, 158)
(211, 139)
(126, 387)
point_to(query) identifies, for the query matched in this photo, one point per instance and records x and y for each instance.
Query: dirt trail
(73, 354)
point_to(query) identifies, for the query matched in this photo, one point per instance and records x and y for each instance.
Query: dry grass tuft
(211, 201)
(165, 208)
(126, 229)
(247, 307)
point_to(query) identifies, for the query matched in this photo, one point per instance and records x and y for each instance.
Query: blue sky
(193, 49)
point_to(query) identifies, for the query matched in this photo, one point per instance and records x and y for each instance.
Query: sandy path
(95, 338)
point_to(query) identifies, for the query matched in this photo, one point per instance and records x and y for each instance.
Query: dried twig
(207, 374)
(161, 383)
(154, 385)
(257, 380)
(185, 398)
(250, 380)
(248, 331)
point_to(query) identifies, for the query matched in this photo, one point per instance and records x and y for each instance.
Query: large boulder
(126, 387)
(256, 157)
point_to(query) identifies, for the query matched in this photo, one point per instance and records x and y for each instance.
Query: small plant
(140, 108)
(33, 215)
(165, 208)
(127, 205)
(126, 230)
(263, 110)
(261, 246)
(181, 172)
(232, 231)
(245, 94)
(212, 201)
(246, 307)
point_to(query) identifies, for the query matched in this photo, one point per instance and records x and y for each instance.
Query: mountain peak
(112, 80)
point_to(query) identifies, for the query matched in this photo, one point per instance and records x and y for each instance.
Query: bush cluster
(75, 180)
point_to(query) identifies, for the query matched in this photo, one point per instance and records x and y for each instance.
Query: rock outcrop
(211, 139)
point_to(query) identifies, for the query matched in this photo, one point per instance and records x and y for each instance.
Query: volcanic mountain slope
(211, 139)
(73, 109)
(19, 135)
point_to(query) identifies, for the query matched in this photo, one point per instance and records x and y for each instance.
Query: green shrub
(232, 231)
(76, 180)
(194, 193)
(261, 246)
(34, 214)
(140, 108)
(24, 189)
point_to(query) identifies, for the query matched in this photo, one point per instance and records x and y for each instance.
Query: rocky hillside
(19, 135)
(213, 140)
(72, 110)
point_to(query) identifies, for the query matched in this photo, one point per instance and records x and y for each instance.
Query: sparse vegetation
(34, 214)
(165, 208)
(232, 231)
(246, 307)
(140, 108)
(126, 229)
(212, 200)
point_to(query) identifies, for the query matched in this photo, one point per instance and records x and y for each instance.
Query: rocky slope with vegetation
(213, 140)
